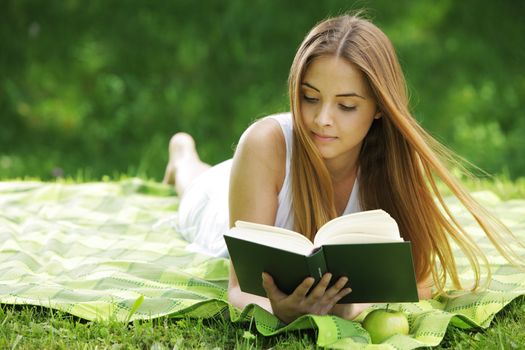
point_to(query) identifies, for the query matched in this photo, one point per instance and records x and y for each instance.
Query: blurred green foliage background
(97, 87)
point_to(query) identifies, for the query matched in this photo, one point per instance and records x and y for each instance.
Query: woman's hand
(349, 311)
(319, 301)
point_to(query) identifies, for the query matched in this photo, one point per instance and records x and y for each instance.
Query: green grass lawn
(34, 327)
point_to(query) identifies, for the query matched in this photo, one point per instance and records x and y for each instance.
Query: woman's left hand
(318, 301)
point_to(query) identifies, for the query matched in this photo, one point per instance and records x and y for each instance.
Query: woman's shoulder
(262, 148)
(264, 136)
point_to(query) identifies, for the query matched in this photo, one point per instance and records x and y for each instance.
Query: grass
(502, 186)
(507, 331)
(34, 327)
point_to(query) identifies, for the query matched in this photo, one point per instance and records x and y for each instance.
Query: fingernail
(263, 276)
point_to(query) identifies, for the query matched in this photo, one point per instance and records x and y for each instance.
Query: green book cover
(377, 272)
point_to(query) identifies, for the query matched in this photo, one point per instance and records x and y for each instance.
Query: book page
(372, 223)
(271, 236)
(355, 238)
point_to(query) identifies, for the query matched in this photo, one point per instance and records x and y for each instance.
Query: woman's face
(337, 108)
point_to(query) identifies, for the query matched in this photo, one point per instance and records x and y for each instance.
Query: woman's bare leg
(184, 163)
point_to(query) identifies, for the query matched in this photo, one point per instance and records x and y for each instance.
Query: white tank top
(284, 217)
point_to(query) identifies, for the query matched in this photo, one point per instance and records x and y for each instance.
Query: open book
(366, 247)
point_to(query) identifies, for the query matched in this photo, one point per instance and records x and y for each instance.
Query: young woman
(349, 143)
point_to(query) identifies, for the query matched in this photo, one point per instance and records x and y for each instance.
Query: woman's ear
(378, 114)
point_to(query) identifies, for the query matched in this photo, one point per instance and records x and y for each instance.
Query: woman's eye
(309, 99)
(347, 108)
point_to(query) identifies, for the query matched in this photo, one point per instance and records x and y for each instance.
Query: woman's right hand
(319, 301)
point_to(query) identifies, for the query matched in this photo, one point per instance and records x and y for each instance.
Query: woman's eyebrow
(310, 86)
(350, 94)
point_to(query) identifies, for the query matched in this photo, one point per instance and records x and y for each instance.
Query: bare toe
(184, 164)
(182, 146)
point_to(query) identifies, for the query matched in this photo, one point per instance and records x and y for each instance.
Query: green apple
(384, 323)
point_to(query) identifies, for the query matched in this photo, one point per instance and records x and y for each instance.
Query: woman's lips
(323, 138)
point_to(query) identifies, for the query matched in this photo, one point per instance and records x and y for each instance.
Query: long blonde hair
(398, 163)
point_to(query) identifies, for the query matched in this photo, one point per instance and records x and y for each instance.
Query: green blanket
(108, 251)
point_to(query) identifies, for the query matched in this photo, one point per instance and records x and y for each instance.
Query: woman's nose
(324, 117)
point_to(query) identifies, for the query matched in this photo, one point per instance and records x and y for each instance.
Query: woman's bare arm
(424, 288)
(257, 174)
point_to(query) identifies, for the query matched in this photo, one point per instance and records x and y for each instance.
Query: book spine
(317, 264)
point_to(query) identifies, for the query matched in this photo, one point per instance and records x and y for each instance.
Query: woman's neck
(342, 169)
(343, 178)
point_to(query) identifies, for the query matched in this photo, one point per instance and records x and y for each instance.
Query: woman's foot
(184, 163)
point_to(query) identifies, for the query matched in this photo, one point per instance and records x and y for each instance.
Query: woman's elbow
(424, 293)
(234, 295)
